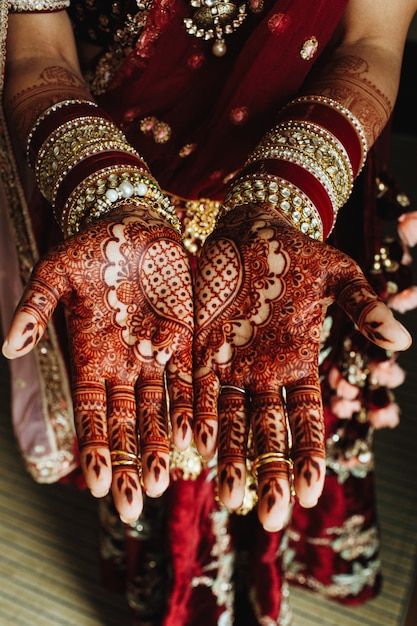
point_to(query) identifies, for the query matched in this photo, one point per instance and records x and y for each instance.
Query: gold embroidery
(309, 49)
(56, 397)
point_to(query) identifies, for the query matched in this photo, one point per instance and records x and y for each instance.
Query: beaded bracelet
(47, 122)
(318, 146)
(86, 168)
(102, 191)
(280, 194)
(320, 108)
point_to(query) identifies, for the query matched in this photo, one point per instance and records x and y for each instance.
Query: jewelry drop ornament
(214, 19)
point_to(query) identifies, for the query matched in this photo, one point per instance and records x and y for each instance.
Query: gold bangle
(98, 193)
(280, 194)
(354, 121)
(99, 149)
(52, 109)
(315, 143)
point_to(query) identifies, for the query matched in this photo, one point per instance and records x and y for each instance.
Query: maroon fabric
(223, 106)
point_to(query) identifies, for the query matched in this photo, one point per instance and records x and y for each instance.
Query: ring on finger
(272, 457)
(233, 388)
(120, 458)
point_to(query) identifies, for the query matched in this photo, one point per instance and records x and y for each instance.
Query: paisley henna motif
(126, 285)
(261, 295)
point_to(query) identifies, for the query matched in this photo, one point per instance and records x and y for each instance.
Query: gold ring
(125, 463)
(271, 457)
(233, 388)
(128, 455)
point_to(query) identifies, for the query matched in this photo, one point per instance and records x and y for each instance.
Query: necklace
(214, 19)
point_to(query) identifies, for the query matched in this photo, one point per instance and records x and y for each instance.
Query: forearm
(364, 77)
(41, 69)
(33, 85)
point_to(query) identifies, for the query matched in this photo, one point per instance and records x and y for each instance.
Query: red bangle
(331, 120)
(89, 166)
(55, 119)
(302, 179)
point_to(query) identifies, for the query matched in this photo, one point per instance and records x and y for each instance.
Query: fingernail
(127, 520)
(99, 494)
(407, 334)
(5, 351)
(308, 504)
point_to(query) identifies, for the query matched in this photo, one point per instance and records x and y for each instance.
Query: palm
(261, 295)
(127, 289)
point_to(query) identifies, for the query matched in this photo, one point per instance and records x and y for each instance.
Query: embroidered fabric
(29, 6)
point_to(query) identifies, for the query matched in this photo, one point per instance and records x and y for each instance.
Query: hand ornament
(126, 285)
(262, 291)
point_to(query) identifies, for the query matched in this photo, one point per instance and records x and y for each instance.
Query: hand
(261, 294)
(126, 285)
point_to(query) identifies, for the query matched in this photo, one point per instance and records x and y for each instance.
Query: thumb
(373, 318)
(46, 286)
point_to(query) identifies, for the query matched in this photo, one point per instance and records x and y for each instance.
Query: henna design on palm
(126, 285)
(262, 290)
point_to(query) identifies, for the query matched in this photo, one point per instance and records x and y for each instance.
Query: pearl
(210, 3)
(141, 189)
(112, 195)
(219, 48)
(126, 189)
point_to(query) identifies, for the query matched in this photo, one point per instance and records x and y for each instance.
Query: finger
(153, 428)
(233, 434)
(270, 436)
(206, 391)
(373, 318)
(123, 442)
(47, 285)
(180, 389)
(305, 414)
(91, 426)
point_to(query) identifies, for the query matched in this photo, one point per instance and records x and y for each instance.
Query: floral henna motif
(126, 285)
(347, 81)
(153, 432)
(261, 295)
(233, 435)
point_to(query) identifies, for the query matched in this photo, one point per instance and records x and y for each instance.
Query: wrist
(311, 158)
(84, 166)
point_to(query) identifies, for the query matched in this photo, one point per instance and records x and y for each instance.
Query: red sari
(195, 118)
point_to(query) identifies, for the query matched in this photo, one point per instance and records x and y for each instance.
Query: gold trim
(53, 380)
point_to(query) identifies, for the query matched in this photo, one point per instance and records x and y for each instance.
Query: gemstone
(112, 195)
(309, 49)
(278, 23)
(219, 48)
(126, 189)
(141, 189)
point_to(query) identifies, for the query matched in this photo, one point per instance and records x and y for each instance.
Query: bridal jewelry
(214, 19)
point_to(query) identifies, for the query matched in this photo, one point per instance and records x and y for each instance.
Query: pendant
(214, 19)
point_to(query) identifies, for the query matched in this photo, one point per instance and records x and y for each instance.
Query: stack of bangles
(85, 167)
(305, 166)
